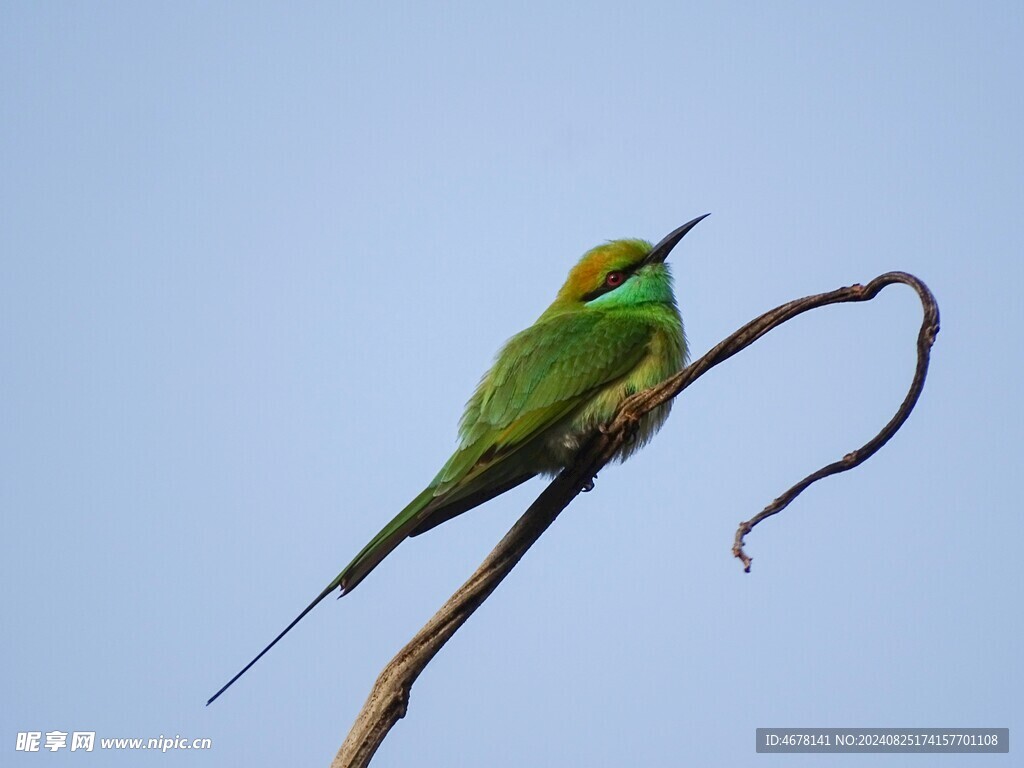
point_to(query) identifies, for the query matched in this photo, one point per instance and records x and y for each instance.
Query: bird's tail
(273, 642)
(381, 545)
(368, 558)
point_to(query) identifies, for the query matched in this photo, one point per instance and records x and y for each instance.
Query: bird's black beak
(661, 251)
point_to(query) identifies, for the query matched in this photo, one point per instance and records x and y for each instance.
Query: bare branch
(389, 698)
(925, 340)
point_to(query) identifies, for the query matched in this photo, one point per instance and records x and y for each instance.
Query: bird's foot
(589, 485)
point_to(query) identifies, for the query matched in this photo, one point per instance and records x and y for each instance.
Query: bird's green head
(622, 273)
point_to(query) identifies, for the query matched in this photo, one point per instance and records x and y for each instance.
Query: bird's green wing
(542, 375)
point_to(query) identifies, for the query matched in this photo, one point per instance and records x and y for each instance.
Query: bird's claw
(589, 485)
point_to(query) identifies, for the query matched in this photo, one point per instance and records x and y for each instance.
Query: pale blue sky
(254, 258)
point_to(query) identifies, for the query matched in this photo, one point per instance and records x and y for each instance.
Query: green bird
(613, 330)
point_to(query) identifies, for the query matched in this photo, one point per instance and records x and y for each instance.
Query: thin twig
(389, 699)
(925, 340)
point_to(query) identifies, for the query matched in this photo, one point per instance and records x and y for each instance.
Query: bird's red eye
(614, 279)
